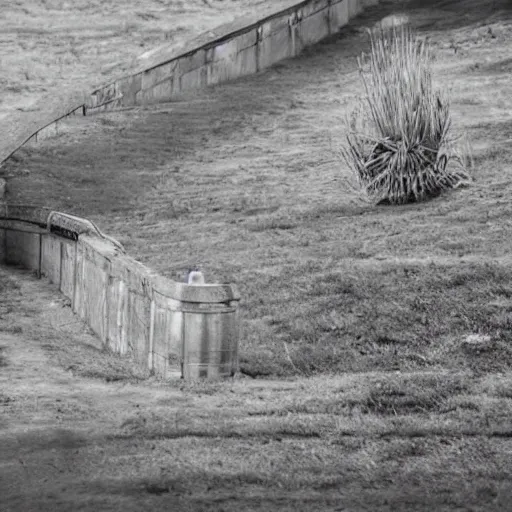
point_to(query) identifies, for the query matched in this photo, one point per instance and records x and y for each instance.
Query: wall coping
(44, 221)
(165, 54)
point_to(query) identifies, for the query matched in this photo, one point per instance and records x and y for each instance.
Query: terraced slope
(242, 180)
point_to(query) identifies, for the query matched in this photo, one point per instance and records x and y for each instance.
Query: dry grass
(388, 441)
(426, 440)
(399, 141)
(242, 180)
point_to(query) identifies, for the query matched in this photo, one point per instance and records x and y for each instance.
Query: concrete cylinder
(210, 341)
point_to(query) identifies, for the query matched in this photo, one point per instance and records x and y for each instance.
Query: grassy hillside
(243, 180)
(390, 327)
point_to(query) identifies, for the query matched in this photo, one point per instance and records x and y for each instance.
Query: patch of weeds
(257, 365)
(469, 100)
(350, 443)
(157, 488)
(500, 66)
(411, 395)
(6, 400)
(386, 316)
(12, 329)
(202, 387)
(498, 154)
(209, 480)
(3, 359)
(396, 449)
(387, 339)
(335, 283)
(6, 283)
(504, 390)
(332, 406)
(502, 290)
(271, 223)
(93, 363)
(459, 405)
(151, 426)
(109, 373)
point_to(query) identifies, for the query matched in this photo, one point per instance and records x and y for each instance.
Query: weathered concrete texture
(23, 248)
(209, 343)
(2, 245)
(355, 7)
(67, 268)
(276, 42)
(138, 326)
(51, 258)
(168, 52)
(338, 16)
(117, 299)
(152, 77)
(231, 59)
(314, 27)
(33, 214)
(167, 335)
(230, 51)
(91, 289)
(193, 79)
(172, 328)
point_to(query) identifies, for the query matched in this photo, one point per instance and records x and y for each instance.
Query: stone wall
(175, 329)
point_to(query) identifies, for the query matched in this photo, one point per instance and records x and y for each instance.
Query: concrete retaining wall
(175, 329)
(230, 51)
(234, 50)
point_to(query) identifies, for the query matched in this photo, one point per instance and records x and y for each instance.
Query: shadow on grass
(86, 361)
(446, 15)
(3, 359)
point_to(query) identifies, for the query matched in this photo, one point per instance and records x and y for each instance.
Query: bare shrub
(399, 142)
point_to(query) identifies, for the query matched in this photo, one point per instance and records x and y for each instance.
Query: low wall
(237, 49)
(241, 48)
(175, 329)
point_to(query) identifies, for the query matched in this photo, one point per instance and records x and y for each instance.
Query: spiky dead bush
(399, 141)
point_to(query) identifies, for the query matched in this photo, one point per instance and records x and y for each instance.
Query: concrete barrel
(210, 337)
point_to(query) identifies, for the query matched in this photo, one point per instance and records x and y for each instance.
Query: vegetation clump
(399, 141)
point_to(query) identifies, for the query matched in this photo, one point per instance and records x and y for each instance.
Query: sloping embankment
(241, 48)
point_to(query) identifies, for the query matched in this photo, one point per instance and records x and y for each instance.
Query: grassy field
(83, 430)
(389, 327)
